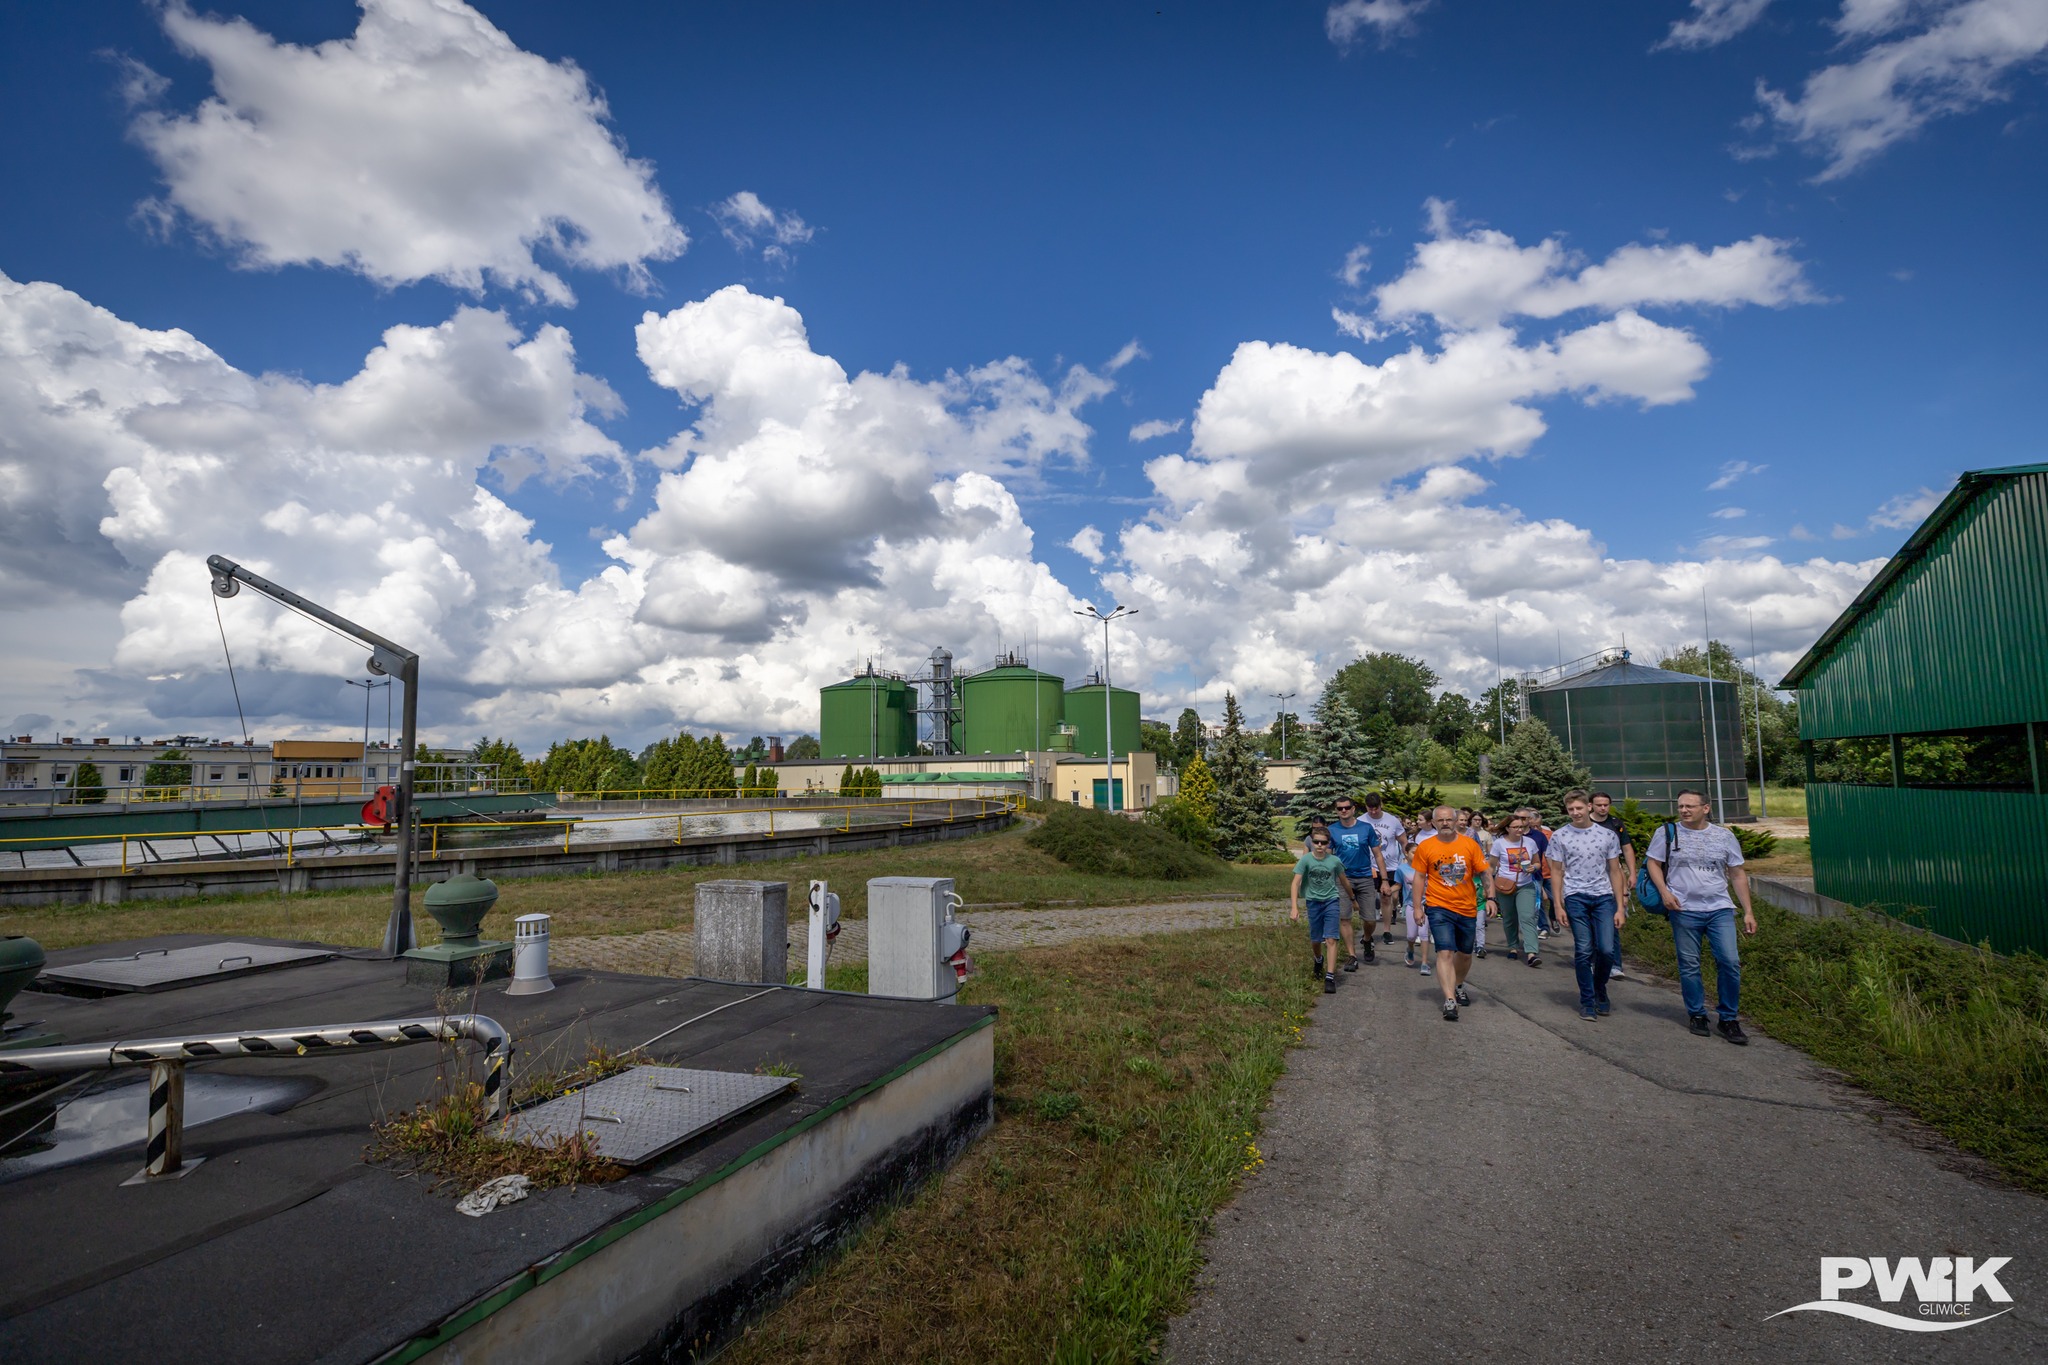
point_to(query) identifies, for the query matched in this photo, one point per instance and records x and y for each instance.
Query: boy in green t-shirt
(1319, 879)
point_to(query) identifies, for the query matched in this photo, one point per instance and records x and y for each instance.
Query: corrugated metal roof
(1625, 674)
(1968, 489)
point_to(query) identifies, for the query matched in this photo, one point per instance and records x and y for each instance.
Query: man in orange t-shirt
(1449, 872)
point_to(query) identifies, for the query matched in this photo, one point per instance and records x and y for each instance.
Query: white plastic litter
(506, 1189)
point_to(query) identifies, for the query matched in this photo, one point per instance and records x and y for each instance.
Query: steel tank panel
(1008, 710)
(1084, 713)
(1956, 640)
(867, 717)
(1649, 740)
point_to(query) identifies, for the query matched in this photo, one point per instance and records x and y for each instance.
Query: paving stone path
(666, 952)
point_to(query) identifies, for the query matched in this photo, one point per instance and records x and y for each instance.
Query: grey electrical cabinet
(916, 948)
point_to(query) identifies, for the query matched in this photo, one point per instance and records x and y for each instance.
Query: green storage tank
(1647, 732)
(1084, 713)
(869, 716)
(1009, 709)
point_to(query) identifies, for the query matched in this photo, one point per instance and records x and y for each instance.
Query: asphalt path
(1525, 1185)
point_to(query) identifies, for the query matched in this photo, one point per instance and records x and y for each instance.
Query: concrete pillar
(742, 930)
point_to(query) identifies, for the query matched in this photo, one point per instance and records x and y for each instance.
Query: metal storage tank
(1009, 709)
(1084, 712)
(871, 715)
(1648, 732)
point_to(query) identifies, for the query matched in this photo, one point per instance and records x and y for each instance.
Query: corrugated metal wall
(1949, 860)
(1959, 641)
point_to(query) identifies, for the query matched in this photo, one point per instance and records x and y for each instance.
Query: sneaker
(1330, 984)
(1602, 1006)
(1698, 1024)
(1425, 969)
(1617, 974)
(1587, 1014)
(1411, 957)
(1352, 965)
(1450, 1011)
(1315, 964)
(1464, 996)
(1731, 1029)
(1386, 936)
(1368, 954)
(1479, 951)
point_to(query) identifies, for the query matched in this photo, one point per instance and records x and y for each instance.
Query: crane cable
(240, 715)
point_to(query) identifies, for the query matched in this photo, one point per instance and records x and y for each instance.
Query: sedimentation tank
(1085, 714)
(1009, 709)
(871, 715)
(1648, 732)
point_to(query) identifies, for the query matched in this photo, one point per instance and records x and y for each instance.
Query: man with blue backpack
(1691, 865)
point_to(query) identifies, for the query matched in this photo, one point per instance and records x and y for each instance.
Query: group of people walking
(1444, 877)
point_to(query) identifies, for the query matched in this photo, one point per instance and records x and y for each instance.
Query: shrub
(1185, 821)
(1411, 799)
(1109, 845)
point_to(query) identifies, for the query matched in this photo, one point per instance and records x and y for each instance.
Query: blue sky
(975, 184)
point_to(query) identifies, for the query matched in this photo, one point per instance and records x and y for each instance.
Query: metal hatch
(640, 1113)
(169, 969)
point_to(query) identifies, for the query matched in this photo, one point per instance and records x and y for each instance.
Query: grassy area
(1791, 858)
(1130, 1075)
(1957, 1036)
(996, 868)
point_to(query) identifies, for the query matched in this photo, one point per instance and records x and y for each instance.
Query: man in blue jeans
(1692, 866)
(1585, 877)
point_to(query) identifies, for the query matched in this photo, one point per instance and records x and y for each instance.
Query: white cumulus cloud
(1906, 64)
(752, 226)
(427, 145)
(1087, 543)
(1713, 22)
(1386, 20)
(1157, 427)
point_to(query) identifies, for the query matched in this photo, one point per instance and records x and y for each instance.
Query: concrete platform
(285, 1246)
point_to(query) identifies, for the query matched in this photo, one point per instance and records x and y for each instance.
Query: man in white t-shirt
(1392, 846)
(1585, 877)
(1692, 866)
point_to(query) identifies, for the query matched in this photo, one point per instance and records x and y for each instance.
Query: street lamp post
(1283, 698)
(368, 685)
(1108, 716)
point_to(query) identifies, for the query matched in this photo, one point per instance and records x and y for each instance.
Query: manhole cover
(164, 969)
(640, 1113)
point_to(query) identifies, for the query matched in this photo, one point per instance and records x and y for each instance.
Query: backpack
(1646, 890)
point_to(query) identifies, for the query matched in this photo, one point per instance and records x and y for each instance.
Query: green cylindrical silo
(1009, 709)
(1084, 713)
(869, 716)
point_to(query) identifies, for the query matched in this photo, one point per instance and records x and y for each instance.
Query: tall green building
(1949, 642)
(1085, 714)
(871, 715)
(1008, 709)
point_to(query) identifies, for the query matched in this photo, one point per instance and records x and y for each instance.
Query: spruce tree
(846, 787)
(1244, 810)
(1533, 769)
(1339, 762)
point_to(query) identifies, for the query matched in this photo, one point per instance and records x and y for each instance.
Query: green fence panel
(1955, 862)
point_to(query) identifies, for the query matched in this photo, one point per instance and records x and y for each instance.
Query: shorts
(1452, 932)
(1418, 929)
(1323, 919)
